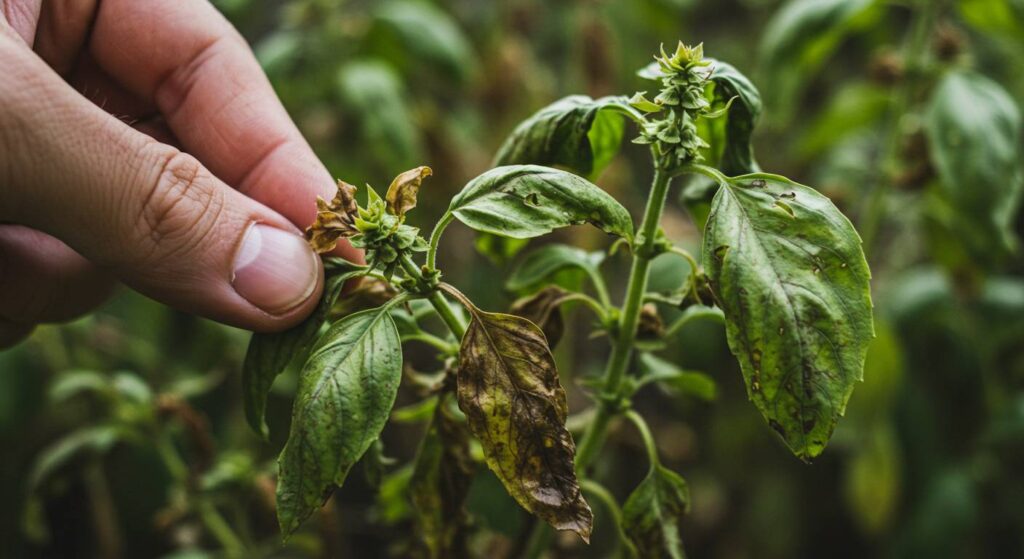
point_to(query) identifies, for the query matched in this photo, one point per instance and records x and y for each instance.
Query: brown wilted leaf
(542, 309)
(335, 220)
(401, 196)
(651, 327)
(509, 390)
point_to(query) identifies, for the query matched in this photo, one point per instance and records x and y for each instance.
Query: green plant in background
(781, 262)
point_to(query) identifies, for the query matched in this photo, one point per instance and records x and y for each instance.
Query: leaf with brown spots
(508, 388)
(650, 516)
(401, 196)
(793, 285)
(335, 220)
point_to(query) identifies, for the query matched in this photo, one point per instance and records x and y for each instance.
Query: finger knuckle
(180, 206)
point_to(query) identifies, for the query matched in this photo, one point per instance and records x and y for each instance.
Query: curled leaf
(651, 326)
(335, 220)
(508, 388)
(542, 309)
(650, 516)
(401, 195)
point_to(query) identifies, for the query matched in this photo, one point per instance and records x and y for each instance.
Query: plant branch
(440, 304)
(435, 239)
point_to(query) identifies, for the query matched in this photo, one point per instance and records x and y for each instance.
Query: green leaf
(508, 388)
(345, 395)
(542, 263)
(799, 38)
(525, 201)
(974, 134)
(90, 440)
(691, 383)
(788, 271)
(376, 97)
(498, 249)
(577, 133)
(73, 383)
(650, 516)
(738, 153)
(439, 485)
(427, 33)
(269, 355)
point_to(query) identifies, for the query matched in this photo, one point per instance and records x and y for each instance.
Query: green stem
(593, 438)
(645, 435)
(435, 239)
(691, 314)
(600, 310)
(433, 341)
(914, 53)
(600, 288)
(440, 304)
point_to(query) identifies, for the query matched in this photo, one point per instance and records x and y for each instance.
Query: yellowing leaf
(401, 196)
(509, 390)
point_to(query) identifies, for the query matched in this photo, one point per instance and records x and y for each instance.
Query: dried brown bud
(335, 220)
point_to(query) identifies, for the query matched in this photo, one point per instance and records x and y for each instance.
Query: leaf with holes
(270, 354)
(508, 388)
(788, 271)
(526, 201)
(346, 391)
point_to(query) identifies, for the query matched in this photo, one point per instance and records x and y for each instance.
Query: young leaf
(271, 354)
(439, 485)
(401, 195)
(525, 201)
(540, 264)
(578, 133)
(345, 395)
(542, 309)
(974, 135)
(509, 390)
(787, 269)
(651, 514)
(96, 440)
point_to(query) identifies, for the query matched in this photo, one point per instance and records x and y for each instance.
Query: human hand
(141, 142)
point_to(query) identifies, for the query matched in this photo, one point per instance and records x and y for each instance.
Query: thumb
(147, 212)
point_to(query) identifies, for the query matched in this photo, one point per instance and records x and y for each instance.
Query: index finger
(204, 79)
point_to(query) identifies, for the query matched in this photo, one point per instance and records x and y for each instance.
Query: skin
(139, 142)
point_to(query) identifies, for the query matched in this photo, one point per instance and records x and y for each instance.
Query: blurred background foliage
(123, 434)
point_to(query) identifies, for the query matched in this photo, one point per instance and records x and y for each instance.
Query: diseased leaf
(974, 135)
(793, 284)
(542, 263)
(576, 133)
(650, 516)
(334, 220)
(508, 388)
(271, 354)
(401, 195)
(439, 485)
(346, 391)
(542, 309)
(525, 201)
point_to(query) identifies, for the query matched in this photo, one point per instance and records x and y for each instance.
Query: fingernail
(274, 270)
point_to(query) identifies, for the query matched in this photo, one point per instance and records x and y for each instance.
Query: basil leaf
(508, 388)
(540, 264)
(788, 271)
(738, 153)
(974, 135)
(650, 515)
(271, 354)
(346, 391)
(690, 383)
(95, 440)
(440, 484)
(526, 201)
(799, 38)
(577, 133)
